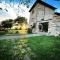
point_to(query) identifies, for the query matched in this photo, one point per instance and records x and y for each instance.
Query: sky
(54, 3)
(10, 9)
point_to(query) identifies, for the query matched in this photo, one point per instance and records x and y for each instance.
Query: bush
(16, 32)
(29, 30)
(3, 32)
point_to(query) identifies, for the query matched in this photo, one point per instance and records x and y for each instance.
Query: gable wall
(39, 13)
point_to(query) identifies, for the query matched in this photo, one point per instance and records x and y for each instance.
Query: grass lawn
(45, 48)
(3, 32)
(39, 48)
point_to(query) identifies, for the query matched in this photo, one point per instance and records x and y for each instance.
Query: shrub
(3, 32)
(29, 30)
(17, 32)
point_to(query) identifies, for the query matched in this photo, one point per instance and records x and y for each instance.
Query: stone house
(44, 19)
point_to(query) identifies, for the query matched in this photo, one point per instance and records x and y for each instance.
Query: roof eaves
(57, 13)
(46, 4)
(41, 2)
(33, 6)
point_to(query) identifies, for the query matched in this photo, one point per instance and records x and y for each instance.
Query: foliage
(29, 30)
(17, 32)
(20, 20)
(3, 32)
(0, 27)
(7, 23)
(45, 48)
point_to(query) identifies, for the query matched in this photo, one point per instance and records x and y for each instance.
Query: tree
(0, 27)
(7, 23)
(20, 20)
(10, 20)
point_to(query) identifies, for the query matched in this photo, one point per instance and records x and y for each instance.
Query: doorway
(43, 27)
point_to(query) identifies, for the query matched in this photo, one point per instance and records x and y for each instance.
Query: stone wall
(56, 21)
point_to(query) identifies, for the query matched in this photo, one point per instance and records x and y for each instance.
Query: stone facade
(41, 14)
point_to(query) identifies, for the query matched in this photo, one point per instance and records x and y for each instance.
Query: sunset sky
(13, 11)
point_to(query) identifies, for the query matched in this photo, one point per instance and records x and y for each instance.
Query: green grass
(14, 49)
(39, 48)
(45, 48)
(3, 32)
